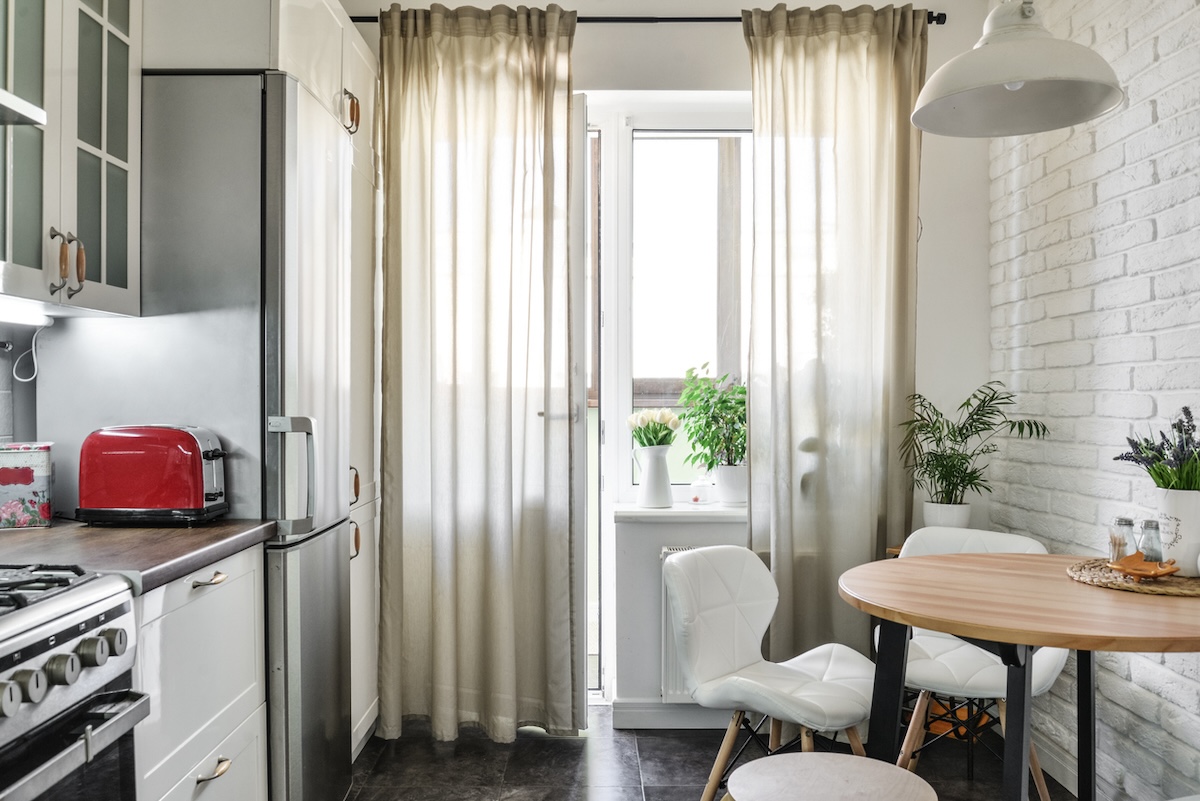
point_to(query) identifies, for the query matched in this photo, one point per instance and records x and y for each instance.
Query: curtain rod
(933, 17)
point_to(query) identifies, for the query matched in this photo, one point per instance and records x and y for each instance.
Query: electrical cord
(32, 353)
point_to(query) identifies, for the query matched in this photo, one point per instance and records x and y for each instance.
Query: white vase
(1179, 522)
(654, 487)
(952, 515)
(733, 484)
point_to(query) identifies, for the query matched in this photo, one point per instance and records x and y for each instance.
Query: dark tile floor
(601, 765)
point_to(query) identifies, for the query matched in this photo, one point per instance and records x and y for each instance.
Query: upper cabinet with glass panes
(69, 235)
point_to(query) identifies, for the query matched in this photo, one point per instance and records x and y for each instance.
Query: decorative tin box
(26, 474)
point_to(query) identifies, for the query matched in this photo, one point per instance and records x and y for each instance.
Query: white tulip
(674, 424)
(644, 418)
(632, 421)
(663, 416)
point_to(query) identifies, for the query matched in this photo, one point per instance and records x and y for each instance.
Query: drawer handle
(223, 766)
(357, 540)
(218, 578)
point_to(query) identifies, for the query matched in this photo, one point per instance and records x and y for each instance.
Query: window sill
(680, 513)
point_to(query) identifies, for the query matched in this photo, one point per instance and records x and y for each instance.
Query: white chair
(943, 665)
(722, 600)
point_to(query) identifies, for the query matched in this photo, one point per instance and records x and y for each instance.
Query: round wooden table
(1009, 604)
(829, 777)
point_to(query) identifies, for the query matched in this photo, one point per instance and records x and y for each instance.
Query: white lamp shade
(1017, 80)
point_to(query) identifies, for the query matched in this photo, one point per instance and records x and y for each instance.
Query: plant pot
(733, 484)
(1179, 522)
(654, 486)
(952, 515)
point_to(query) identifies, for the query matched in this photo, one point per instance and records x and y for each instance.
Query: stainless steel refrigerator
(245, 330)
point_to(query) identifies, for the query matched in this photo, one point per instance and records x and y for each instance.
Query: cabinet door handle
(223, 766)
(357, 540)
(218, 578)
(356, 484)
(355, 112)
(64, 248)
(80, 268)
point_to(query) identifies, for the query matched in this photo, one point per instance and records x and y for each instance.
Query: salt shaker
(1121, 539)
(1151, 542)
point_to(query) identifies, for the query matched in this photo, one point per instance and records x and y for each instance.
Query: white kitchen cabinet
(304, 38)
(200, 659)
(73, 184)
(364, 625)
(235, 769)
(364, 317)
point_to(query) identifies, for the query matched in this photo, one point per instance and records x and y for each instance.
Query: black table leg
(1085, 668)
(887, 699)
(1016, 722)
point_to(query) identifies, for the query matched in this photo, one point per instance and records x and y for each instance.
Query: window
(673, 213)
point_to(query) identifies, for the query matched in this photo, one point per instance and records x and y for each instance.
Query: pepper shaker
(1151, 542)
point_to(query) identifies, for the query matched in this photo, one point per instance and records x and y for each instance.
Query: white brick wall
(1095, 292)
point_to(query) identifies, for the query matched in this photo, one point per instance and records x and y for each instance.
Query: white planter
(1179, 521)
(733, 484)
(654, 484)
(952, 515)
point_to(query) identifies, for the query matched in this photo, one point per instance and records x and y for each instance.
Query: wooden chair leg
(1035, 764)
(855, 741)
(914, 738)
(806, 739)
(776, 734)
(718, 768)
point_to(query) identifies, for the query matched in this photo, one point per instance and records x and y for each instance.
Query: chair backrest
(941, 539)
(722, 600)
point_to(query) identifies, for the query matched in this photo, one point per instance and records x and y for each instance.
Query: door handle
(357, 540)
(355, 111)
(80, 268)
(306, 426)
(218, 578)
(64, 252)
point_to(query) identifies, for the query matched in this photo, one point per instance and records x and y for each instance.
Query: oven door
(85, 754)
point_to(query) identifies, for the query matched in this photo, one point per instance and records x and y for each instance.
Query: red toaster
(151, 474)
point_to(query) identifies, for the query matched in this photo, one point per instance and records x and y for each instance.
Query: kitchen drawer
(200, 659)
(245, 778)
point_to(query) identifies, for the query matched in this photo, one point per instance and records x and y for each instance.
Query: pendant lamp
(1018, 79)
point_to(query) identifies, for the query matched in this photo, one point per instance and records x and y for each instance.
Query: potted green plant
(942, 455)
(714, 417)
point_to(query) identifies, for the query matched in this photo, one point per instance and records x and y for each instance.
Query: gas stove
(65, 635)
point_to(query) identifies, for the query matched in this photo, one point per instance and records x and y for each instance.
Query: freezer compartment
(308, 666)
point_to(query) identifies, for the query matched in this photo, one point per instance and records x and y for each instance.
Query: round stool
(830, 777)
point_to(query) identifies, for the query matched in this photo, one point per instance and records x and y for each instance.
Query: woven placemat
(1097, 572)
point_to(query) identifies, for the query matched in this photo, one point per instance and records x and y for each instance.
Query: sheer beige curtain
(476, 558)
(832, 299)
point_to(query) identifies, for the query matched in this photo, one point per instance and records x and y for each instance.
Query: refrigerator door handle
(307, 426)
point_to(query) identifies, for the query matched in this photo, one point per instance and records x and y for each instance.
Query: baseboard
(1058, 763)
(364, 728)
(650, 714)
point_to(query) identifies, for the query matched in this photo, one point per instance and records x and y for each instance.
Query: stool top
(832, 777)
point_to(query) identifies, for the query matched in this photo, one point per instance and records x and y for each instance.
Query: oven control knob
(10, 698)
(63, 669)
(117, 639)
(93, 651)
(33, 685)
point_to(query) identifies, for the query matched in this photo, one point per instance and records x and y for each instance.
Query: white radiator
(674, 691)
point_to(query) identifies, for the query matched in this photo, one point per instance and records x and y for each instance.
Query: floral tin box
(26, 473)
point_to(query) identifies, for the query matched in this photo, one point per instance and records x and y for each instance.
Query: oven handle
(43, 778)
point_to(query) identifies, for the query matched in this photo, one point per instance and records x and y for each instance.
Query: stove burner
(22, 585)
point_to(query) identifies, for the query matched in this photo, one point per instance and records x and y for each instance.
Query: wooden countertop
(148, 556)
(1027, 599)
